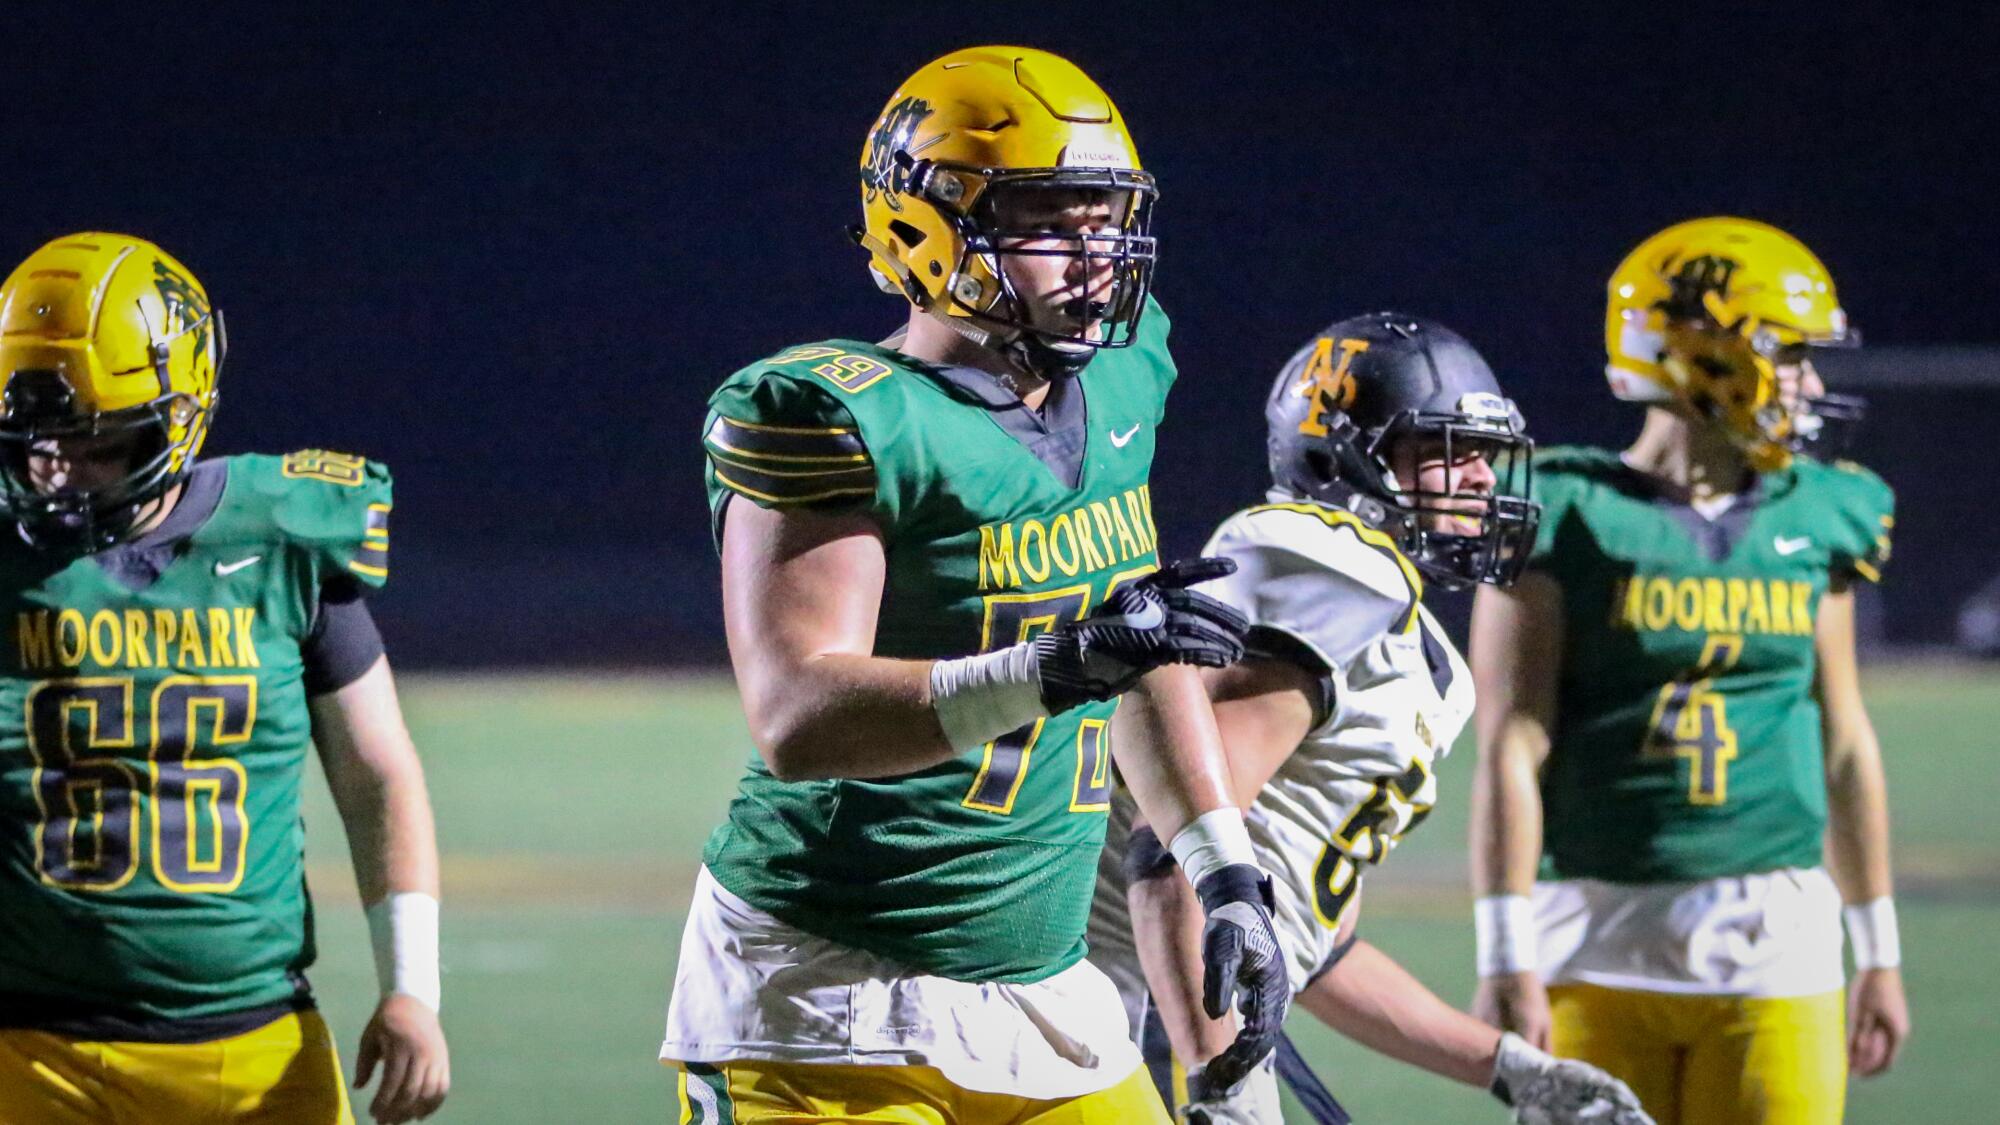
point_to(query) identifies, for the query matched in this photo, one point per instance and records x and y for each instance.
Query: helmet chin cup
(1049, 360)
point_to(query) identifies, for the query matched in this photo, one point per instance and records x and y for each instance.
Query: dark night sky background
(511, 254)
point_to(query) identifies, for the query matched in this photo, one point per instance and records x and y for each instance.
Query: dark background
(510, 253)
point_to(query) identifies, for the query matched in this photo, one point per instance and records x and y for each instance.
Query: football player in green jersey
(1670, 720)
(940, 576)
(179, 635)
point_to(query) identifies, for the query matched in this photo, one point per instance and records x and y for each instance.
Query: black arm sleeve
(343, 643)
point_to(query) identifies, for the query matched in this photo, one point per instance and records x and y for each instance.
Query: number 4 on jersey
(1692, 721)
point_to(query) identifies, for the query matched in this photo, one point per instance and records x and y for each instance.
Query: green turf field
(572, 811)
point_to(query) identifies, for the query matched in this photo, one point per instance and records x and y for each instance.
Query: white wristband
(404, 931)
(1871, 930)
(979, 698)
(1503, 928)
(1211, 842)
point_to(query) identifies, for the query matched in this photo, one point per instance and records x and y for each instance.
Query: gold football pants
(284, 1073)
(1712, 1060)
(806, 1093)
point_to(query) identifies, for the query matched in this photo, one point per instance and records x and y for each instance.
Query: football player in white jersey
(1395, 461)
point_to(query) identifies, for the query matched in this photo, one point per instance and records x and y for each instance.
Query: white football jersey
(1398, 694)
(1320, 586)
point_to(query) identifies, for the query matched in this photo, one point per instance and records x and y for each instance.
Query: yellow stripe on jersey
(780, 465)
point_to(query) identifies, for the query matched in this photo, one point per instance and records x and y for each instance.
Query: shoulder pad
(783, 439)
(336, 505)
(1562, 462)
(840, 364)
(1319, 574)
(1563, 474)
(1863, 519)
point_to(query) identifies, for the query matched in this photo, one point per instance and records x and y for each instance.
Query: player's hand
(1878, 1021)
(1545, 1090)
(1516, 1002)
(1144, 624)
(1242, 967)
(407, 1041)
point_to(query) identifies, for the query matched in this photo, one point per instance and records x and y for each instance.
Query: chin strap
(1025, 350)
(1043, 359)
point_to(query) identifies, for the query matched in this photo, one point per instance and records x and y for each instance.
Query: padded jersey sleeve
(1865, 521)
(781, 442)
(1323, 578)
(336, 507)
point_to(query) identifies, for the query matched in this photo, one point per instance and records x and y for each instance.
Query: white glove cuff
(1211, 842)
(1504, 929)
(403, 928)
(1515, 1062)
(1871, 930)
(979, 698)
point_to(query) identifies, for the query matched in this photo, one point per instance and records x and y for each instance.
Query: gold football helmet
(959, 138)
(1704, 312)
(105, 340)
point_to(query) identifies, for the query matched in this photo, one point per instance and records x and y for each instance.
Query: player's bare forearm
(1516, 651)
(1857, 792)
(1169, 752)
(1166, 929)
(801, 593)
(1372, 1000)
(1263, 710)
(377, 782)
(1506, 816)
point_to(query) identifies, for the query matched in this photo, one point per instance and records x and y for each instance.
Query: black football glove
(1241, 966)
(1145, 623)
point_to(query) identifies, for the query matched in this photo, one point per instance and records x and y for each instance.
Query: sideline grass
(572, 812)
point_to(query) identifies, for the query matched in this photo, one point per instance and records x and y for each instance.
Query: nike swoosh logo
(224, 570)
(1118, 440)
(1786, 546)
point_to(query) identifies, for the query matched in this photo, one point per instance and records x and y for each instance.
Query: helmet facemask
(1005, 217)
(1460, 534)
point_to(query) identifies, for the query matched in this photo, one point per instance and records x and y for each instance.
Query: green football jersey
(153, 734)
(1687, 740)
(981, 868)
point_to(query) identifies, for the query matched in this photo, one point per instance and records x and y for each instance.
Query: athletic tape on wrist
(1211, 842)
(1872, 931)
(1503, 929)
(979, 698)
(403, 929)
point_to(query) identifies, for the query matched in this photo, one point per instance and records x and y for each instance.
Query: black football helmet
(1342, 405)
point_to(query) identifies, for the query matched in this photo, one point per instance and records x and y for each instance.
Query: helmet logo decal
(1695, 279)
(892, 136)
(1328, 380)
(186, 307)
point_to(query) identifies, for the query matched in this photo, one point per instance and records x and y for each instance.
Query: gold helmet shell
(103, 335)
(1702, 313)
(964, 130)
